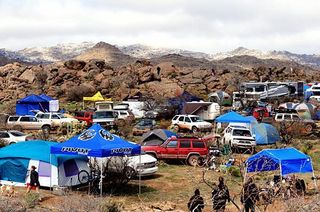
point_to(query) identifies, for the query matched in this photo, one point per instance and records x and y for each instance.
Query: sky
(209, 26)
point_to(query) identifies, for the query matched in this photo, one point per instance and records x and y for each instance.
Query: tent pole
(280, 170)
(139, 174)
(51, 174)
(101, 181)
(314, 177)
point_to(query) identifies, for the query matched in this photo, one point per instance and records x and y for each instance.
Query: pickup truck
(28, 123)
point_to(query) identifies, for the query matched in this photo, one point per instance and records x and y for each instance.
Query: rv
(263, 90)
(208, 111)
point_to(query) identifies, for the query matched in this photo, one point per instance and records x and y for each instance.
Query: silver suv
(27, 123)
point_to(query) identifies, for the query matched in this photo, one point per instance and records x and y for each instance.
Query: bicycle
(93, 179)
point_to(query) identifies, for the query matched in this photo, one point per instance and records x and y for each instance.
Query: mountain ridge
(67, 51)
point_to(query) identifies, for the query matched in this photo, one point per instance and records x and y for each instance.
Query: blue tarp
(265, 134)
(32, 102)
(96, 142)
(287, 160)
(35, 150)
(232, 117)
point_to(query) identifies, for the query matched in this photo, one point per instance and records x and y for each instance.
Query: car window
(287, 116)
(13, 118)
(123, 113)
(187, 119)
(55, 116)
(172, 144)
(196, 119)
(181, 118)
(104, 114)
(198, 144)
(237, 132)
(185, 144)
(4, 135)
(279, 116)
(25, 119)
(175, 118)
(17, 133)
(33, 119)
(43, 116)
(295, 117)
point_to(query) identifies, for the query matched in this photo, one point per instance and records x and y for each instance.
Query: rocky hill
(105, 68)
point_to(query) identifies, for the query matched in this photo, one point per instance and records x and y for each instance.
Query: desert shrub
(32, 199)
(110, 206)
(306, 147)
(234, 171)
(76, 93)
(11, 205)
(2, 143)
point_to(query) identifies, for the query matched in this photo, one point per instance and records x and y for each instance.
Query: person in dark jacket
(34, 180)
(196, 203)
(249, 195)
(220, 196)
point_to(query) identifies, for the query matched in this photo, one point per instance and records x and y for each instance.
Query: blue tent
(287, 160)
(15, 159)
(265, 134)
(233, 117)
(48, 98)
(32, 102)
(96, 142)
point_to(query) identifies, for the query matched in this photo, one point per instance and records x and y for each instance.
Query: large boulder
(28, 75)
(75, 64)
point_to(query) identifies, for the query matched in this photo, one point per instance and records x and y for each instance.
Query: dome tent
(17, 159)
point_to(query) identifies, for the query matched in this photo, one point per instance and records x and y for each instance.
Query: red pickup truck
(85, 116)
(179, 148)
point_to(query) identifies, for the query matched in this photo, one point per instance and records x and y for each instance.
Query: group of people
(221, 195)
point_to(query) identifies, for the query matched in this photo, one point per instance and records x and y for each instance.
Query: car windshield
(62, 116)
(103, 115)
(239, 132)
(17, 133)
(196, 119)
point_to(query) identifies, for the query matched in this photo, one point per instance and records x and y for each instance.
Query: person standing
(220, 196)
(249, 195)
(34, 181)
(196, 203)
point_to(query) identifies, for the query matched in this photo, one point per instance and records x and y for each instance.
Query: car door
(181, 122)
(184, 149)
(199, 146)
(5, 136)
(171, 150)
(188, 123)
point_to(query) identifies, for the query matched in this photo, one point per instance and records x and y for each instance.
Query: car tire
(129, 172)
(46, 130)
(194, 129)
(176, 128)
(193, 160)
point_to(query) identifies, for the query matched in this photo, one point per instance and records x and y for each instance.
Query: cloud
(203, 25)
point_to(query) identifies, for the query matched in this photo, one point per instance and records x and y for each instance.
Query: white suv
(190, 122)
(238, 136)
(56, 119)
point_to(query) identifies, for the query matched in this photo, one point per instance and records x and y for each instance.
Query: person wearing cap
(34, 180)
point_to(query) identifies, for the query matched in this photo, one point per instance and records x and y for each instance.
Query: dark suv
(179, 148)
